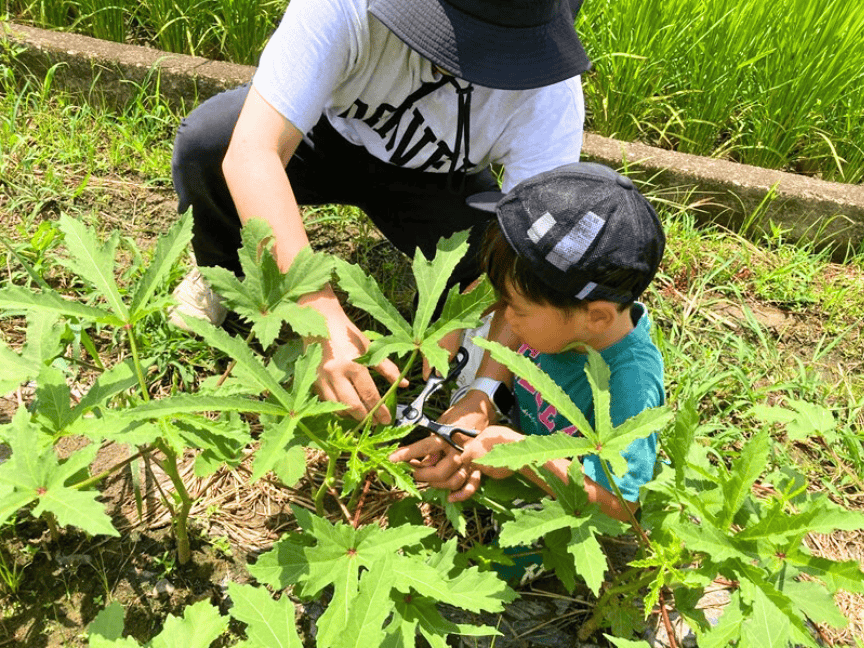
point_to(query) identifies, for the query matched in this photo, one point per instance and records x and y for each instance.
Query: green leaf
(713, 542)
(168, 250)
(364, 292)
(815, 602)
(745, 471)
(14, 298)
(680, 440)
(16, 369)
(108, 624)
(728, 628)
(191, 403)
(270, 624)
(286, 563)
(242, 354)
(200, 626)
(93, 261)
(536, 451)
(371, 607)
(836, 575)
(768, 623)
(803, 421)
(551, 392)
(432, 277)
(588, 557)
(118, 378)
(597, 372)
(614, 441)
(52, 400)
(530, 525)
(76, 508)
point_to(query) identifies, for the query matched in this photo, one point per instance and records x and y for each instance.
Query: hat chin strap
(463, 134)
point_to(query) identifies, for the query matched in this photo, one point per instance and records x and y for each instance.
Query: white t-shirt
(333, 57)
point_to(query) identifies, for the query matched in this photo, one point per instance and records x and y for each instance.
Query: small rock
(163, 588)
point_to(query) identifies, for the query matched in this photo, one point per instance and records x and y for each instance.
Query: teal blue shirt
(635, 384)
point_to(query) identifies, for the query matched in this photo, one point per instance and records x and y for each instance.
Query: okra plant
(383, 583)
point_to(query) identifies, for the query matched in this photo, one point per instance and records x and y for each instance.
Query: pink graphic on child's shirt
(546, 413)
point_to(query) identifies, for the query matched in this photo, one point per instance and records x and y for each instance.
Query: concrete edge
(809, 209)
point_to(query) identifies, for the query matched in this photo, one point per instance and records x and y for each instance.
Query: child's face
(545, 328)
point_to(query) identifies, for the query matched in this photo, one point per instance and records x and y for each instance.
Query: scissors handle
(446, 432)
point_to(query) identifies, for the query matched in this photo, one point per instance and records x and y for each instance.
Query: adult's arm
(254, 168)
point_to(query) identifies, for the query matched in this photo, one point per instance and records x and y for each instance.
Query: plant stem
(326, 484)
(181, 514)
(95, 479)
(390, 391)
(142, 382)
(52, 526)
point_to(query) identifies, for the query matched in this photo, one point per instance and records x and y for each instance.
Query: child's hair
(503, 265)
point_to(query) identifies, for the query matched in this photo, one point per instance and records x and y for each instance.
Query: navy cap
(579, 227)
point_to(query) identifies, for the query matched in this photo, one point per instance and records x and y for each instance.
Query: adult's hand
(340, 377)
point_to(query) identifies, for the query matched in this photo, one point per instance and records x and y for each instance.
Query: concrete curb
(829, 213)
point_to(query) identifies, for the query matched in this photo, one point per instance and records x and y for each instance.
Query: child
(399, 107)
(571, 252)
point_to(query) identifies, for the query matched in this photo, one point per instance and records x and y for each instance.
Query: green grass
(775, 84)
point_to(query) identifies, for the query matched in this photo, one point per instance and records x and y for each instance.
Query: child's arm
(495, 434)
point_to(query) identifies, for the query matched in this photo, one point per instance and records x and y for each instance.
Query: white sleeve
(544, 133)
(310, 53)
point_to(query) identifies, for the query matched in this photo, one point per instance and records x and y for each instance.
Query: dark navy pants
(411, 208)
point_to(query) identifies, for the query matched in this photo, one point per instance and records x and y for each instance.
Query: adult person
(396, 106)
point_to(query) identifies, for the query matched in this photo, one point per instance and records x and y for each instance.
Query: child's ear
(601, 316)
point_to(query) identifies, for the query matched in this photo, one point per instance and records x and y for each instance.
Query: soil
(63, 584)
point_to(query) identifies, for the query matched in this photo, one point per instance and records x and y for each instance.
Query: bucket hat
(502, 44)
(584, 230)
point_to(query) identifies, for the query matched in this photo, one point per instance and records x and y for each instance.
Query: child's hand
(477, 448)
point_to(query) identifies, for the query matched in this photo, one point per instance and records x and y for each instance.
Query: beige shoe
(195, 298)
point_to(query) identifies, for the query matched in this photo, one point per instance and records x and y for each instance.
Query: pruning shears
(413, 414)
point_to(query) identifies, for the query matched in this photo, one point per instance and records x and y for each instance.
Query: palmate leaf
(536, 451)
(530, 525)
(236, 349)
(34, 473)
(815, 602)
(200, 626)
(117, 379)
(802, 421)
(300, 404)
(286, 563)
(836, 575)
(42, 346)
(588, 556)
(728, 628)
(269, 623)
(744, 473)
(14, 298)
(52, 408)
(17, 369)
(773, 620)
(168, 250)
(93, 261)
(616, 440)
(432, 277)
(364, 292)
(371, 607)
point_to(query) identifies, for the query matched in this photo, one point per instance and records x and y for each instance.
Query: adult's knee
(202, 140)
